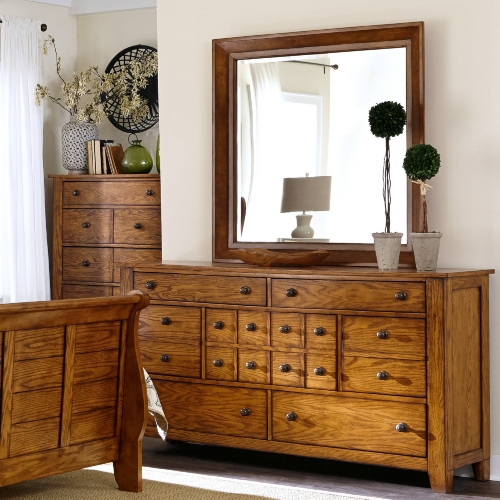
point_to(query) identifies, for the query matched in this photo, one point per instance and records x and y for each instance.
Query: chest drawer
(211, 409)
(84, 225)
(140, 226)
(367, 296)
(398, 337)
(112, 193)
(168, 358)
(361, 424)
(88, 264)
(123, 256)
(192, 288)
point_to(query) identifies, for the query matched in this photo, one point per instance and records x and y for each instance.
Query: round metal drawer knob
(292, 416)
(382, 375)
(137, 225)
(165, 358)
(244, 412)
(150, 285)
(166, 321)
(149, 192)
(251, 327)
(320, 371)
(382, 334)
(85, 225)
(251, 365)
(400, 296)
(401, 427)
(284, 368)
(218, 325)
(245, 290)
(75, 192)
(284, 329)
(291, 292)
(85, 263)
(320, 331)
(218, 362)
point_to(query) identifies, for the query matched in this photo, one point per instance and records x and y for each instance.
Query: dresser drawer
(216, 410)
(169, 358)
(253, 328)
(220, 363)
(253, 366)
(369, 296)
(287, 369)
(321, 372)
(384, 376)
(86, 291)
(112, 193)
(351, 423)
(286, 329)
(193, 288)
(87, 264)
(137, 226)
(221, 326)
(397, 337)
(84, 225)
(123, 256)
(171, 324)
(321, 332)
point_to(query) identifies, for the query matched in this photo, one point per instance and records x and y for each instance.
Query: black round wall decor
(149, 93)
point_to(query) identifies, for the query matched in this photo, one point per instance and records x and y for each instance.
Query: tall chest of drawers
(343, 363)
(100, 223)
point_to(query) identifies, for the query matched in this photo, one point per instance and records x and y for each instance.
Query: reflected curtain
(264, 201)
(24, 265)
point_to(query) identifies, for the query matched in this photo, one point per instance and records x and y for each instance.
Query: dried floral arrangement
(86, 95)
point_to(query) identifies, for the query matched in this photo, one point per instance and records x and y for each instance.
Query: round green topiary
(387, 119)
(422, 162)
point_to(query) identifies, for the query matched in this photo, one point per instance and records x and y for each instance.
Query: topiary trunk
(386, 190)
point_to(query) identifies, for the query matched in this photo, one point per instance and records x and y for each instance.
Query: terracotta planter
(426, 250)
(387, 248)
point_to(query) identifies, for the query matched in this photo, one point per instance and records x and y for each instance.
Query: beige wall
(462, 106)
(62, 27)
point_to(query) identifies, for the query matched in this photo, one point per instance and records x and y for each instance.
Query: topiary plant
(421, 163)
(387, 119)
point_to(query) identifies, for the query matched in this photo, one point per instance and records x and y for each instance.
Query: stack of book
(105, 157)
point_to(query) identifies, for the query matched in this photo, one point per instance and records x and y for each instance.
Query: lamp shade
(302, 194)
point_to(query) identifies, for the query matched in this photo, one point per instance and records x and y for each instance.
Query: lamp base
(303, 229)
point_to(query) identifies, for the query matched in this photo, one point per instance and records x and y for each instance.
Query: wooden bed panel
(38, 374)
(30, 437)
(36, 405)
(90, 396)
(97, 337)
(34, 344)
(95, 366)
(93, 425)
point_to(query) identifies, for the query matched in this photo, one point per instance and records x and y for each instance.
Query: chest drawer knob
(245, 290)
(291, 292)
(401, 427)
(320, 331)
(382, 334)
(165, 358)
(284, 368)
(75, 192)
(219, 325)
(218, 362)
(320, 371)
(251, 365)
(251, 327)
(150, 285)
(382, 375)
(85, 225)
(137, 225)
(85, 263)
(292, 416)
(400, 296)
(149, 192)
(244, 412)
(284, 329)
(166, 321)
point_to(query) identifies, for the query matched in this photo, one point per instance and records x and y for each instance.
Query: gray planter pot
(426, 250)
(387, 248)
(74, 145)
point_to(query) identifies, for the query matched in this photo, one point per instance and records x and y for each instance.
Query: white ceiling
(94, 6)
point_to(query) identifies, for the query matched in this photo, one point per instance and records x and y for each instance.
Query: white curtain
(24, 265)
(262, 221)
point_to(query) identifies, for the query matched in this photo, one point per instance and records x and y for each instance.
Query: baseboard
(466, 471)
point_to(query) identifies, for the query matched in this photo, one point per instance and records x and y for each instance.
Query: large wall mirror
(295, 106)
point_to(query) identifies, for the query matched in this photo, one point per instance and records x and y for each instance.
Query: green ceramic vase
(137, 159)
(158, 154)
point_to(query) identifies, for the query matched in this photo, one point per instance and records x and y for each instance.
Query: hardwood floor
(325, 475)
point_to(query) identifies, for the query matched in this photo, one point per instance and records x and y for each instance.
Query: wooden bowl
(268, 258)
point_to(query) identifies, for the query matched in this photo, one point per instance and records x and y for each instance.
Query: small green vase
(137, 159)
(158, 154)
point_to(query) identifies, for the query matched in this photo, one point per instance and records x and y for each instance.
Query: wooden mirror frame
(225, 55)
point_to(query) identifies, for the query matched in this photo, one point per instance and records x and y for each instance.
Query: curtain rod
(43, 26)
(333, 66)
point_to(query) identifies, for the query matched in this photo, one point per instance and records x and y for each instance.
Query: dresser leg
(441, 482)
(482, 470)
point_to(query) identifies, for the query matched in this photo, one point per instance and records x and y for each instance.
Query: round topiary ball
(387, 119)
(422, 162)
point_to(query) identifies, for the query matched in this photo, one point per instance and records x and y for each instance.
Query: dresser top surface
(105, 177)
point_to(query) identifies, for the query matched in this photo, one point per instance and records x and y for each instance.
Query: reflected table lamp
(306, 194)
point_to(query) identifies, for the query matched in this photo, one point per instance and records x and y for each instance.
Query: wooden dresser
(101, 222)
(354, 364)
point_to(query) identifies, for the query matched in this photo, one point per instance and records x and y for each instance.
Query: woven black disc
(150, 93)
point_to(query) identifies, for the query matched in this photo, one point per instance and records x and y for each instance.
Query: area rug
(97, 483)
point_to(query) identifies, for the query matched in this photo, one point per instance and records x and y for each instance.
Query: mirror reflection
(307, 116)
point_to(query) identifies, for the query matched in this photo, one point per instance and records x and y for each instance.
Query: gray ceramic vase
(74, 145)
(426, 250)
(387, 249)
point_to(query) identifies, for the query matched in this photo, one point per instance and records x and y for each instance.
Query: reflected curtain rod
(333, 66)
(43, 27)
